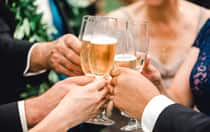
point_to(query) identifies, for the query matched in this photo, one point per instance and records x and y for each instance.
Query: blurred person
(190, 86)
(60, 14)
(173, 26)
(140, 99)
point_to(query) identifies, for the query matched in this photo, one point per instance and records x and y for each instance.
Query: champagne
(125, 60)
(84, 56)
(101, 54)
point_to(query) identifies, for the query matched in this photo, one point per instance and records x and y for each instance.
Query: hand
(132, 91)
(62, 55)
(151, 73)
(37, 108)
(79, 105)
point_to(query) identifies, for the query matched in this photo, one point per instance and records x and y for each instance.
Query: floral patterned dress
(200, 75)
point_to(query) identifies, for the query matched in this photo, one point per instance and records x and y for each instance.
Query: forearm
(50, 125)
(174, 94)
(56, 122)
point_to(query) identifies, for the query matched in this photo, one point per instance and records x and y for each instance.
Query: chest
(169, 50)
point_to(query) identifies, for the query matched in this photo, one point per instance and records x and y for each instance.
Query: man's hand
(132, 91)
(37, 108)
(80, 104)
(61, 55)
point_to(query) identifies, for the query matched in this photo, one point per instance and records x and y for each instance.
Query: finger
(110, 88)
(102, 93)
(147, 62)
(97, 84)
(101, 105)
(68, 65)
(111, 97)
(81, 80)
(109, 108)
(73, 42)
(62, 69)
(113, 81)
(69, 54)
(115, 72)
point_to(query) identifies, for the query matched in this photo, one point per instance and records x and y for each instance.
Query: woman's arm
(180, 87)
(179, 90)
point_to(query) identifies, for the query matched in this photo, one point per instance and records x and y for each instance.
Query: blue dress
(200, 75)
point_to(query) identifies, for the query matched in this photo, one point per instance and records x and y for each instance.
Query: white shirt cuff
(152, 111)
(26, 73)
(22, 115)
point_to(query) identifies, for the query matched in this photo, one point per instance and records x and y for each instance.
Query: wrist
(148, 97)
(33, 111)
(50, 123)
(40, 56)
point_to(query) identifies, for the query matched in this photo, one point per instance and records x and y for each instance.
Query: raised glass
(99, 38)
(136, 36)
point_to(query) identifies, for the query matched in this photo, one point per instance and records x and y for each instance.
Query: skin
(38, 107)
(61, 55)
(173, 27)
(179, 90)
(130, 87)
(83, 101)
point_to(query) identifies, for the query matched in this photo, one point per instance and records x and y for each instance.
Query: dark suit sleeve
(13, 53)
(13, 58)
(9, 118)
(177, 118)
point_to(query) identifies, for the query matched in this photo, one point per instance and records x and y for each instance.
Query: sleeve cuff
(26, 72)
(21, 109)
(152, 111)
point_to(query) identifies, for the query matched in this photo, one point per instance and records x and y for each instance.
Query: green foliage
(37, 90)
(29, 23)
(110, 5)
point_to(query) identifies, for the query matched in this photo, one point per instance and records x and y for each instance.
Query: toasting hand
(131, 91)
(62, 55)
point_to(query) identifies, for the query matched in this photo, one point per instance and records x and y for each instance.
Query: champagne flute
(85, 34)
(139, 36)
(103, 46)
(101, 54)
(125, 53)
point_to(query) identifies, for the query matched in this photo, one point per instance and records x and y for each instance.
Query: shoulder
(202, 14)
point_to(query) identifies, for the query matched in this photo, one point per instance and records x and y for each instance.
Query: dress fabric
(200, 75)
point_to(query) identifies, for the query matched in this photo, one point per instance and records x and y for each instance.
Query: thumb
(97, 85)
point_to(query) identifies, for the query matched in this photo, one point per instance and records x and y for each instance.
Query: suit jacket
(177, 118)
(13, 57)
